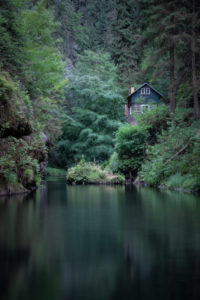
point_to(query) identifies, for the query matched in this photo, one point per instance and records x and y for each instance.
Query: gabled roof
(142, 87)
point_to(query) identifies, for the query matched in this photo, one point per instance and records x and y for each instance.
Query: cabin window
(145, 107)
(137, 108)
(145, 91)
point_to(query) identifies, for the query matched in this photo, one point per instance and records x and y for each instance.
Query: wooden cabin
(142, 99)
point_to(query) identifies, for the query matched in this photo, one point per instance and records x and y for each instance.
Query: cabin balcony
(141, 108)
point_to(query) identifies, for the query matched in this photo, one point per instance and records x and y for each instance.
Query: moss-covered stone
(22, 149)
(13, 109)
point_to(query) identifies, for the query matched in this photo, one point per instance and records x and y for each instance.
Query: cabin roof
(142, 87)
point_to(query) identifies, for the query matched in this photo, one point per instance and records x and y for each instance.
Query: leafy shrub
(29, 174)
(85, 172)
(55, 171)
(119, 179)
(183, 181)
(113, 163)
(154, 121)
(86, 133)
(175, 181)
(11, 178)
(174, 161)
(130, 146)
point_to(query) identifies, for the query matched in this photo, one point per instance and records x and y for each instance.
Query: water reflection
(99, 242)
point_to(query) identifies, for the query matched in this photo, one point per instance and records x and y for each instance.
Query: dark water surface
(99, 243)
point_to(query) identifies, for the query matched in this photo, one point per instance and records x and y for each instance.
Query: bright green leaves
(44, 70)
(86, 133)
(96, 108)
(93, 85)
(174, 161)
(130, 146)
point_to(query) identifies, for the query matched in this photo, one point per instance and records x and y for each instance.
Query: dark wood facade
(142, 99)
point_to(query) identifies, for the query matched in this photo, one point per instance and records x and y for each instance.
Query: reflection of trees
(94, 242)
(14, 256)
(73, 241)
(162, 245)
(24, 259)
(12, 265)
(93, 247)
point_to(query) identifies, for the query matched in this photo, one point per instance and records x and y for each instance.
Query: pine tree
(11, 35)
(164, 32)
(193, 50)
(125, 47)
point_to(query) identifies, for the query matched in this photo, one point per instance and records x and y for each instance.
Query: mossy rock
(11, 189)
(13, 121)
(7, 88)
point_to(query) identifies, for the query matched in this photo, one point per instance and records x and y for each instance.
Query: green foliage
(153, 116)
(71, 30)
(92, 84)
(21, 145)
(78, 104)
(86, 133)
(11, 178)
(113, 163)
(97, 19)
(55, 171)
(28, 173)
(85, 172)
(7, 88)
(15, 108)
(185, 181)
(118, 179)
(44, 71)
(95, 109)
(31, 88)
(12, 40)
(154, 121)
(130, 146)
(19, 160)
(125, 49)
(174, 161)
(159, 148)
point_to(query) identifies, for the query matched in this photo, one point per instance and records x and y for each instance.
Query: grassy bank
(55, 172)
(90, 173)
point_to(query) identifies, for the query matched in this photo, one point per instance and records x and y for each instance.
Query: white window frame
(147, 91)
(137, 108)
(143, 106)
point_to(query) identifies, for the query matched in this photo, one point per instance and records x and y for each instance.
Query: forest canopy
(66, 68)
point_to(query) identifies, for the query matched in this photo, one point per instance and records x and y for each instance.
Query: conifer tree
(162, 31)
(125, 47)
(193, 50)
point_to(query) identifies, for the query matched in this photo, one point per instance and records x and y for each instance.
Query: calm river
(99, 243)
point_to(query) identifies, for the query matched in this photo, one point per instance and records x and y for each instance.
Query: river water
(99, 243)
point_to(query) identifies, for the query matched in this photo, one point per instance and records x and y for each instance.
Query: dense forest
(66, 68)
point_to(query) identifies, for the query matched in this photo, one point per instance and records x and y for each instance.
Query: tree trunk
(171, 89)
(194, 73)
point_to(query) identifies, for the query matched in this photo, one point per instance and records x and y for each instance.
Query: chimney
(132, 89)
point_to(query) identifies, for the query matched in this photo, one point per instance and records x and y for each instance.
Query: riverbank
(50, 171)
(6, 190)
(90, 173)
(165, 187)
